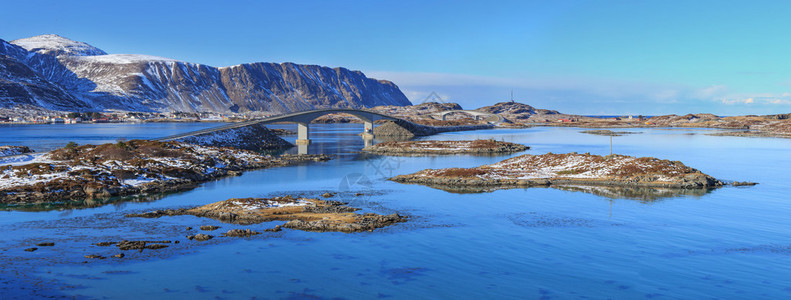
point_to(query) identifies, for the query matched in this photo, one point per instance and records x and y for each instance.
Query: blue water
(519, 243)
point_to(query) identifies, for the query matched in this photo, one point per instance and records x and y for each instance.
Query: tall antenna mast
(512, 95)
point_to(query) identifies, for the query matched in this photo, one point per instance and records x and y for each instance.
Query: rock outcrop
(568, 169)
(445, 147)
(127, 168)
(301, 213)
(255, 137)
(14, 150)
(406, 129)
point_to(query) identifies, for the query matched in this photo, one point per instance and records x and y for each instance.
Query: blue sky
(586, 57)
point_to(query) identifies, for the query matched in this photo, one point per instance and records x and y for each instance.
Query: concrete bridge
(489, 117)
(302, 118)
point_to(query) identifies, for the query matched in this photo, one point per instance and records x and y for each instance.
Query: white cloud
(610, 88)
(584, 95)
(714, 91)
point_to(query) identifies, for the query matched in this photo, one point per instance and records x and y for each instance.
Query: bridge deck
(295, 117)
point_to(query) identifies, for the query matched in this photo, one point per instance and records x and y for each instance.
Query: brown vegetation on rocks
(301, 213)
(445, 147)
(128, 168)
(569, 168)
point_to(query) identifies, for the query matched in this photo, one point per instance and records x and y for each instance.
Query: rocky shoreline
(567, 169)
(14, 150)
(445, 147)
(137, 167)
(300, 213)
(608, 132)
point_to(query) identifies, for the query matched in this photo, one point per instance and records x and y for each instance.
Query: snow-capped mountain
(97, 80)
(56, 45)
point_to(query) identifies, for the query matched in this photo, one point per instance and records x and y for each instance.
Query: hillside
(86, 78)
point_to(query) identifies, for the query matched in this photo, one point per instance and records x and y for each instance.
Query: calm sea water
(519, 243)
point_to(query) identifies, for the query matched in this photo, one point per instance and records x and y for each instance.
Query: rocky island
(566, 169)
(301, 213)
(136, 167)
(445, 147)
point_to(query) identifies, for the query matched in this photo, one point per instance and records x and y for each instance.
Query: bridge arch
(302, 119)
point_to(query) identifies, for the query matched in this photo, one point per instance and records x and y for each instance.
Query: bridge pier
(368, 130)
(302, 149)
(302, 134)
(368, 141)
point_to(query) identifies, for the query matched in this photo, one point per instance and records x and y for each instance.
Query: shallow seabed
(518, 243)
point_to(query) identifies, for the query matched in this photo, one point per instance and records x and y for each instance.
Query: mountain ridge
(136, 82)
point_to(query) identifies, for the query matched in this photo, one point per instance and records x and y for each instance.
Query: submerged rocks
(200, 237)
(46, 244)
(445, 147)
(240, 233)
(135, 245)
(209, 227)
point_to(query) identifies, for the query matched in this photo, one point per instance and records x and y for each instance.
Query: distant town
(121, 117)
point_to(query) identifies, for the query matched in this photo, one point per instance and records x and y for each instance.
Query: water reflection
(642, 194)
(82, 204)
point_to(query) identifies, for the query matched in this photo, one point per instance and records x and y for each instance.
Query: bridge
(302, 118)
(489, 117)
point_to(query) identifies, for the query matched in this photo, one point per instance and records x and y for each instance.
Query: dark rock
(119, 255)
(31, 249)
(366, 222)
(140, 245)
(200, 237)
(743, 183)
(327, 195)
(95, 256)
(45, 244)
(240, 233)
(209, 227)
(275, 229)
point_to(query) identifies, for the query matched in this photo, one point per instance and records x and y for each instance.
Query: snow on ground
(576, 166)
(54, 43)
(8, 178)
(125, 58)
(19, 160)
(260, 204)
(137, 181)
(13, 150)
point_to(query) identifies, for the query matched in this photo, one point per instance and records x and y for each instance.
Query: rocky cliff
(91, 79)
